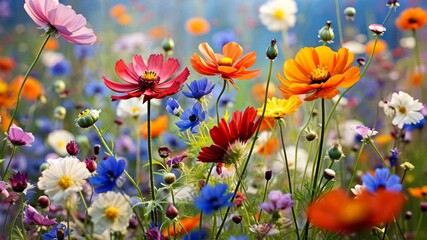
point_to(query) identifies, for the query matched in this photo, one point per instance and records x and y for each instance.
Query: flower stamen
(320, 75)
(225, 61)
(112, 213)
(65, 182)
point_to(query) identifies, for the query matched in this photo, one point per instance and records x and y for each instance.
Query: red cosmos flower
(336, 212)
(230, 138)
(153, 80)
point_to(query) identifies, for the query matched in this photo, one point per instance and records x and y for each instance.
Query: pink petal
(181, 78)
(168, 69)
(119, 87)
(84, 36)
(155, 63)
(125, 73)
(139, 65)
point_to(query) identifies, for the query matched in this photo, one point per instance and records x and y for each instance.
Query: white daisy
(278, 15)
(62, 178)
(110, 211)
(58, 140)
(132, 107)
(403, 108)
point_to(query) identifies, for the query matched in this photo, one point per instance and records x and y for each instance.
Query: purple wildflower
(19, 182)
(17, 137)
(176, 160)
(277, 201)
(32, 217)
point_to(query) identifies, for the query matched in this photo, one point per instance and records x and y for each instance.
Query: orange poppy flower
(269, 147)
(197, 26)
(320, 72)
(158, 127)
(418, 192)
(411, 19)
(5, 120)
(380, 48)
(337, 212)
(6, 64)
(32, 90)
(117, 10)
(185, 225)
(8, 95)
(52, 44)
(227, 65)
(124, 19)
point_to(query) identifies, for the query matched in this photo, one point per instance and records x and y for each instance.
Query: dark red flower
(230, 138)
(153, 80)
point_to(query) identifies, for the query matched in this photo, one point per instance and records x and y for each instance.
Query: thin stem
(289, 174)
(355, 167)
(150, 160)
(263, 199)
(138, 150)
(68, 224)
(378, 153)
(18, 100)
(418, 67)
(250, 152)
(387, 17)
(337, 13)
(102, 140)
(21, 206)
(218, 99)
(420, 220)
(5, 220)
(8, 164)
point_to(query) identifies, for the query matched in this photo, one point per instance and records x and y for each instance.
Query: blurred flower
(191, 118)
(279, 108)
(124, 144)
(153, 80)
(62, 178)
(5, 11)
(197, 26)
(7, 64)
(221, 38)
(380, 48)
(199, 88)
(57, 18)
(110, 211)
(381, 180)
(411, 19)
(354, 47)
(107, 174)
(32, 217)
(278, 15)
(173, 141)
(229, 139)
(363, 131)
(258, 91)
(403, 109)
(264, 229)
(19, 182)
(132, 107)
(124, 19)
(60, 231)
(93, 88)
(158, 127)
(33, 89)
(17, 137)
(52, 44)
(418, 192)
(154, 234)
(358, 189)
(226, 65)
(61, 68)
(117, 10)
(173, 107)
(51, 58)
(131, 43)
(336, 212)
(213, 198)
(277, 201)
(3, 190)
(83, 51)
(328, 70)
(184, 226)
(377, 29)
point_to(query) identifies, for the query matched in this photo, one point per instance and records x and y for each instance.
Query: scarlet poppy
(412, 19)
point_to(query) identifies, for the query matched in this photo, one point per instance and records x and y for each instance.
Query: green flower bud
(349, 13)
(59, 112)
(272, 50)
(87, 118)
(326, 33)
(335, 152)
(168, 45)
(310, 135)
(169, 178)
(43, 167)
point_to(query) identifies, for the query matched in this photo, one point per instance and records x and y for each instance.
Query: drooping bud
(335, 152)
(171, 211)
(310, 135)
(326, 33)
(268, 174)
(87, 118)
(44, 202)
(237, 219)
(169, 178)
(168, 45)
(72, 148)
(329, 174)
(350, 13)
(91, 165)
(272, 50)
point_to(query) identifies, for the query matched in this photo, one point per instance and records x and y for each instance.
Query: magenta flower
(19, 182)
(3, 190)
(363, 131)
(32, 217)
(17, 137)
(153, 80)
(277, 201)
(55, 17)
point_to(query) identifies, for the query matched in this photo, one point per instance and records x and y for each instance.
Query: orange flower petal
(232, 50)
(208, 53)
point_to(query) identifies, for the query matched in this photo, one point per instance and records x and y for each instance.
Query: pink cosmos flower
(17, 137)
(55, 17)
(32, 217)
(363, 131)
(153, 80)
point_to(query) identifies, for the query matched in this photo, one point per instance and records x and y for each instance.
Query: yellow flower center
(402, 110)
(65, 182)
(320, 75)
(225, 61)
(61, 143)
(149, 76)
(279, 14)
(134, 110)
(353, 213)
(3, 87)
(112, 213)
(84, 113)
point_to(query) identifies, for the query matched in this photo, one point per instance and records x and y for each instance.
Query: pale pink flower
(17, 137)
(55, 17)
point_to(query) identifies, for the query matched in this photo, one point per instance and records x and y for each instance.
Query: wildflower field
(215, 119)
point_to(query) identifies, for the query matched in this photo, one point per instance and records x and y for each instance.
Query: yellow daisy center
(134, 110)
(112, 213)
(149, 76)
(279, 14)
(65, 182)
(225, 61)
(402, 110)
(84, 113)
(320, 74)
(61, 143)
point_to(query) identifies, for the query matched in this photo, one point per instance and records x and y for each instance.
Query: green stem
(68, 224)
(138, 151)
(18, 100)
(20, 209)
(5, 220)
(387, 17)
(263, 199)
(418, 67)
(289, 174)
(102, 140)
(218, 99)
(337, 13)
(355, 167)
(8, 164)
(378, 153)
(420, 220)
(250, 152)
(150, 160)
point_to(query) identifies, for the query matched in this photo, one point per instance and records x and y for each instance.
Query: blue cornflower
(394, 158)
(199, 88)
(196, 234)
(62, 68)
(191, 118)
(381, 180)
(223, 37)
(213, 198)
(173, 107)
(83, 51)
(414, 126)
(60, 231)
(107, 174)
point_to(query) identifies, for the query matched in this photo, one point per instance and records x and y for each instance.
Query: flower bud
(43, 167)
(329, 174)
(171, 211)
(19, 182)
(87, 118)
(335, 152)
(268, 174)
(361, 61)
(168, 45)
(377, 29)
(424, 206)
(59, 112)
(326, 33)
(72, 148)
(237, 219)
(59, 86)
(393, 4)
(96, 149)
(349, 13)
(272, 50)
(90, 165)
(43, 202)
(164, 152)
(408, 215)
(310, 135)
(169, 178)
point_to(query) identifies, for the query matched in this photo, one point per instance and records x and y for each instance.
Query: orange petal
(232, 50)
(246, 61)
(326, 57)
(351, 77)
(307, 58)
(208, 53)
(295, 72)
